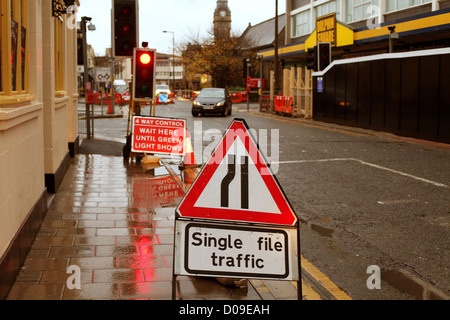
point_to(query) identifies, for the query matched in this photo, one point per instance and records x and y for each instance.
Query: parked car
(214, 101)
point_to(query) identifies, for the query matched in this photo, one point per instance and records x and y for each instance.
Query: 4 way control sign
(159, 135)
(235, 220)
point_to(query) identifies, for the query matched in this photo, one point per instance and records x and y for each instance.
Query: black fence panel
(444, 105)
(364, 97)
(409, 121)
(407, 95)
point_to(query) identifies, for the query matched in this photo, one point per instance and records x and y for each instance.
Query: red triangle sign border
(187, 208)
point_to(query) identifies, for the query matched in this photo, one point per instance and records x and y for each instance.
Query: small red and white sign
(90, 97)
(159, 135)
(236, 184)
(255, 83)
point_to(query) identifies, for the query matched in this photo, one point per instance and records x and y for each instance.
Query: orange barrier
(238, 97)
(284, 105)
(103, 98)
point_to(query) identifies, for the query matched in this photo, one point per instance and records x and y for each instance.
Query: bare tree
(221, 58)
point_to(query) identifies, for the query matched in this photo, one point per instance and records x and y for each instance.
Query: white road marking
(436, 184)
(403, 201)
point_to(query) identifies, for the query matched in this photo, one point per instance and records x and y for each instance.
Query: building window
(327, 8)
(13, 49)
(59, 55)
(394, 5)
(301, 24)
(360, 9)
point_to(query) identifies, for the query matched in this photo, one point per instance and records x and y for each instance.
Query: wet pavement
(115, 221)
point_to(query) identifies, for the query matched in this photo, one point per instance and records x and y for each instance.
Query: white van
(120, 86)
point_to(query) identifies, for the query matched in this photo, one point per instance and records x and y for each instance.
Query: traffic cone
(189, 158)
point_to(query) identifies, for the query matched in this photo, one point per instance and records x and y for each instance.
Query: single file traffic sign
(222, 250)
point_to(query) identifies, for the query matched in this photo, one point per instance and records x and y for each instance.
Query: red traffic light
(144, 62)
(145, 58)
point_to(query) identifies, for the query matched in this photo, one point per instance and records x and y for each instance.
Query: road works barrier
(284, 105)
(238, 97)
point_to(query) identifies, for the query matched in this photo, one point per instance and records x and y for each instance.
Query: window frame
(327, 5)
(351, 6)
(22, 85)
(409, 5)
(295, 25)
(59, 41)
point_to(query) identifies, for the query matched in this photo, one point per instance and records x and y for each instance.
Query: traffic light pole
(85, 76)
(248, 91)
(113, 100)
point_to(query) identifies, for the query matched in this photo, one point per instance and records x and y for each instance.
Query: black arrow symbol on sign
(225, 186)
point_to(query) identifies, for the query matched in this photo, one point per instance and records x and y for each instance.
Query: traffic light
(125, 27)
(311, 58)
(324, 51)
(80, 53)
(247, 67)
(144, 76)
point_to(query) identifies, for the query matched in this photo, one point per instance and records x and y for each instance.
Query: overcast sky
(184, 17)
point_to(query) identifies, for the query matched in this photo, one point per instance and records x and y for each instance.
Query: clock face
(223, 13)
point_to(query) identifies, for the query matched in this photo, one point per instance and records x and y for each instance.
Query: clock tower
(222, 19)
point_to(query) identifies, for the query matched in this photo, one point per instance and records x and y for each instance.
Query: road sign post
(235, 220)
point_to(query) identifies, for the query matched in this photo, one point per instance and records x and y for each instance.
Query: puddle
(162, 171)
(323, 231)
(408, 283)
(157, 188)
(326, 232)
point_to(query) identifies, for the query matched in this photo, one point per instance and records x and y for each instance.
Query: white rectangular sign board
(204, 249)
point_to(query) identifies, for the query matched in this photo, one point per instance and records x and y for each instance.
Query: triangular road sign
(236, 184)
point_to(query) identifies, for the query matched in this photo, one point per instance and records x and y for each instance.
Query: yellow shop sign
(326, 29)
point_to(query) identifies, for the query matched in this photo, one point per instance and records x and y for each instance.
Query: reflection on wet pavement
(115, 221)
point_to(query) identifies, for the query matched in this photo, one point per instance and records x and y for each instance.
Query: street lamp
(392, 35)
(276, 61)
(91, 27)
(173, 61)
